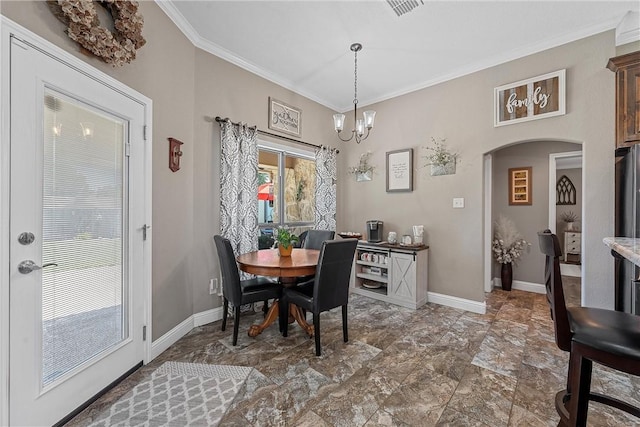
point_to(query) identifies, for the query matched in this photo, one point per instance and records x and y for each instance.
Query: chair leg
(265, 307)
(236, 324)
(316, 332)
(345, 333)
(580, 386)
(225, 308)
(283, 312)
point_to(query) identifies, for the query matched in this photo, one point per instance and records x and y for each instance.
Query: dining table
(268, 262)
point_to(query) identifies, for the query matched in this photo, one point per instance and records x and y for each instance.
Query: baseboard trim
(456, 302)
(207, 316)
(168, 339)
(536, 288)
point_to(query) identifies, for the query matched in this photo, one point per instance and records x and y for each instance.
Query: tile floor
(432, 366)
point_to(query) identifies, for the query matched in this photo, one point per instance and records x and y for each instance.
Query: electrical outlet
(213, 286)
(458, 202)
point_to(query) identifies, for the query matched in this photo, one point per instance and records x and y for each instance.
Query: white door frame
(8, 29)
(488, 207)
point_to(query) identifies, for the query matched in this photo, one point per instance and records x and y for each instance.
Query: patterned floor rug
(178, 394)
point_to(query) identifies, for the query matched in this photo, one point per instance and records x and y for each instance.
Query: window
(286, 191)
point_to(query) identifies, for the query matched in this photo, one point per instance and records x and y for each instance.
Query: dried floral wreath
(116, 48)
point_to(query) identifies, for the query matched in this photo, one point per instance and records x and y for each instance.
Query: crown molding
(201, 43)
(628, 31)
(198, 41)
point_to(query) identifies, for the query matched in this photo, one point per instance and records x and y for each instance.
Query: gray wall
(462, 111)
(531, 218)
(185, 84)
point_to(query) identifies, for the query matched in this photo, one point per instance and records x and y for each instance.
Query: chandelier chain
(355, 80)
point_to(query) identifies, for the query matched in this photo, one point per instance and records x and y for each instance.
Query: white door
(76, 251)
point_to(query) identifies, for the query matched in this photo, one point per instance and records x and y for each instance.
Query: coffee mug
(392, 237)
(374, 258)
(363, 256)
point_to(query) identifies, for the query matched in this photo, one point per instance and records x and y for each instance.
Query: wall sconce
(174, 154)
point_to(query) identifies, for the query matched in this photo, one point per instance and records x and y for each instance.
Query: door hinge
(144, 132)
(144, 231)
(127, 149)
(144, 333)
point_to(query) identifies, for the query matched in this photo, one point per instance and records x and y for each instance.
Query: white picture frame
(285, 118)
(531, 99)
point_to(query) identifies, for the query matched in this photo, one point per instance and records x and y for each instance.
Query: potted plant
(285, 239)
(569, 217)
(442, 161)
(507, 247)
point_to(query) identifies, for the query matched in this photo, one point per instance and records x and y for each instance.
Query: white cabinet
(391, 273)
(572, 246)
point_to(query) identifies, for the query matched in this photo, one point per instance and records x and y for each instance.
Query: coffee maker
(374, 231)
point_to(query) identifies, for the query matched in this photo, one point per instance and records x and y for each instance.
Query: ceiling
(304, 45)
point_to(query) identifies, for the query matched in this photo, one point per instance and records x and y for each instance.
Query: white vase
(569, 226)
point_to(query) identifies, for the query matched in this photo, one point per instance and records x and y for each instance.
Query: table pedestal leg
(271, 316)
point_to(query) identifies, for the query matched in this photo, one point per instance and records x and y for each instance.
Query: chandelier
(369, 116)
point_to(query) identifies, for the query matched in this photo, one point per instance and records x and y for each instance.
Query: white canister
(406, 239)
(392, 237)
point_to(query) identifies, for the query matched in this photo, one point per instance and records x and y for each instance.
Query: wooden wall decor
(565, 191)
(175, 152)
(520, 183)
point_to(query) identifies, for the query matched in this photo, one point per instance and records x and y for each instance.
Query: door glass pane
(83, 297)
(299, 189)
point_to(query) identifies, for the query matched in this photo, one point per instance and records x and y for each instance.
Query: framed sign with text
(530, 99)
(400, 170)
(285, 118)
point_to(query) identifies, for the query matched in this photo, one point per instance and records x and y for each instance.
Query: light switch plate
(458, 202)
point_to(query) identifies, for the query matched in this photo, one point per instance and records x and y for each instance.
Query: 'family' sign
(531, 99)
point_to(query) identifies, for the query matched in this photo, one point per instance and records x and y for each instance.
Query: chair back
(550, 247)
(315, 238)
(230, 275)
(331, 282)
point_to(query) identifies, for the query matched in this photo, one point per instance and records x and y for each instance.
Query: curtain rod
(275, 135)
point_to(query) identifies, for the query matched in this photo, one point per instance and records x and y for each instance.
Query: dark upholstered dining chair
(314, 238)
(328, 289)
(237, 291)
(610, 338)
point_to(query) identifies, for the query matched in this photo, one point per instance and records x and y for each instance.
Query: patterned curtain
(238, 186)
(326, 176)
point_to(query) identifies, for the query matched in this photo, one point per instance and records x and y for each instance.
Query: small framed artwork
(400, 170)
(285, 118)
(520, 180)
(530, 99)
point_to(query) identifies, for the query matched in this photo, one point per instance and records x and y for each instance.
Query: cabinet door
(402, 276)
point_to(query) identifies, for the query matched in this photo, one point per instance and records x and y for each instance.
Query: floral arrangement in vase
(507, 246)
(569, 217)
(442, 160)
(364, 171)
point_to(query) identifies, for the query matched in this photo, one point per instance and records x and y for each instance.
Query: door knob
(27, 266)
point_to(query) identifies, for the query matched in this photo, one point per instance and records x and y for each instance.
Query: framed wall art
(285, 118)
(530, 99)
(520, 180)
(400, 170)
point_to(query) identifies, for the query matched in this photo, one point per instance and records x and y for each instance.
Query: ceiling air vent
(400, 7)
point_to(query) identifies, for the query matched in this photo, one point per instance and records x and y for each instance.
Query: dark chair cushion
(610, 331)
(258, 282)
(301, 300)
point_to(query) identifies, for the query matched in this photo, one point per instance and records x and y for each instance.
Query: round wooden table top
(268, 262)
